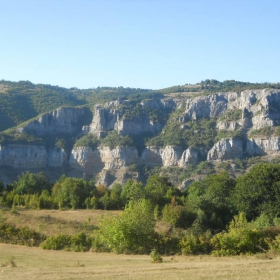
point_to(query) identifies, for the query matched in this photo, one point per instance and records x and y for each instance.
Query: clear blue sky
(139, 43)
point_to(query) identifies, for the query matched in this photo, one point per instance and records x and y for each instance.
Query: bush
(155, 256)
(177, 215)
(274, 244)
(240, 239)
(167, 245)
(58, 242)
(130, 232)
(22, 236)
(78, 242)
(191, 244)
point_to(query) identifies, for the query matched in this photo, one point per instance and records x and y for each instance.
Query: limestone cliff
(237, 148)
(61, 120)
(30, 156)
(113, 115)
(231, 112)
(260, 108)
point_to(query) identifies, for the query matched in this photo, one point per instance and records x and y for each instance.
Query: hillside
(118, 133)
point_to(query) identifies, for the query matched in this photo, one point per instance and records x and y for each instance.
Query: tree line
(219, 214)
(211, 202)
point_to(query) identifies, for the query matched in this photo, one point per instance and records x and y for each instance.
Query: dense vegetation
(219, 214)
(21, 101)
(193, 134)
(210, 86)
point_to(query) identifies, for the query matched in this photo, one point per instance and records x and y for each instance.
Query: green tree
(115, 195)
(29, 183)
(213, 196)
(156, 189)
(1, 187)
(258, 191)
(71, 192)
(131, 231)
(132, 190)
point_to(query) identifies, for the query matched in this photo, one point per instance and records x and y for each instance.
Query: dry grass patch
(52, 222)
(34, 263)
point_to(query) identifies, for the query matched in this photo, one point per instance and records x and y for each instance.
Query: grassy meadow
(52, 222)
(35, 263)
(21, 262)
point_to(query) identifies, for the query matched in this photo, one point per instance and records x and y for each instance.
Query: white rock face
(261, 105)
(226, 149)
(104, 119)
(118, 157)
(207, 106)
(261, 121)
(189, 156)
(30, 156)
(91, 162)
(64, 119)
(108, 116)
(171, 155)
(168, 156)
(87, 160)
(137, 125)
(233, 148)
(262, 146)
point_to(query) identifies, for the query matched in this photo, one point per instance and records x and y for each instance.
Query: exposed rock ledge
(30, 156)
(229, 148)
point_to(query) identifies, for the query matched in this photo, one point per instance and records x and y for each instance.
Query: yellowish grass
(52, 222)
(34, 263)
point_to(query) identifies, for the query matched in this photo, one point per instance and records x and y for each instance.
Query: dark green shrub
(239, 239)
(58, 242)
(192, 244)
(80, 242)
(177, 215)
(166, 245)
(22, 236)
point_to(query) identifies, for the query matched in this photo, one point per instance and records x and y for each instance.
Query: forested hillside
(115, 133)
(21, 101)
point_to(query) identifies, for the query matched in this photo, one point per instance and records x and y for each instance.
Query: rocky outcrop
(118, 157)
(86, 160)
(109, 116)
(168, 156)
(207, 106)
(189, 156)
(262, 107)
(159, 103)
(245, 111)
(226, 149)
(61, 120)
(263, 146)
(138, 125)
(30, 156)
(171, 155)
(104, 119)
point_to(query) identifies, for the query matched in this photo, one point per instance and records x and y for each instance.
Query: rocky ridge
(245, 112)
